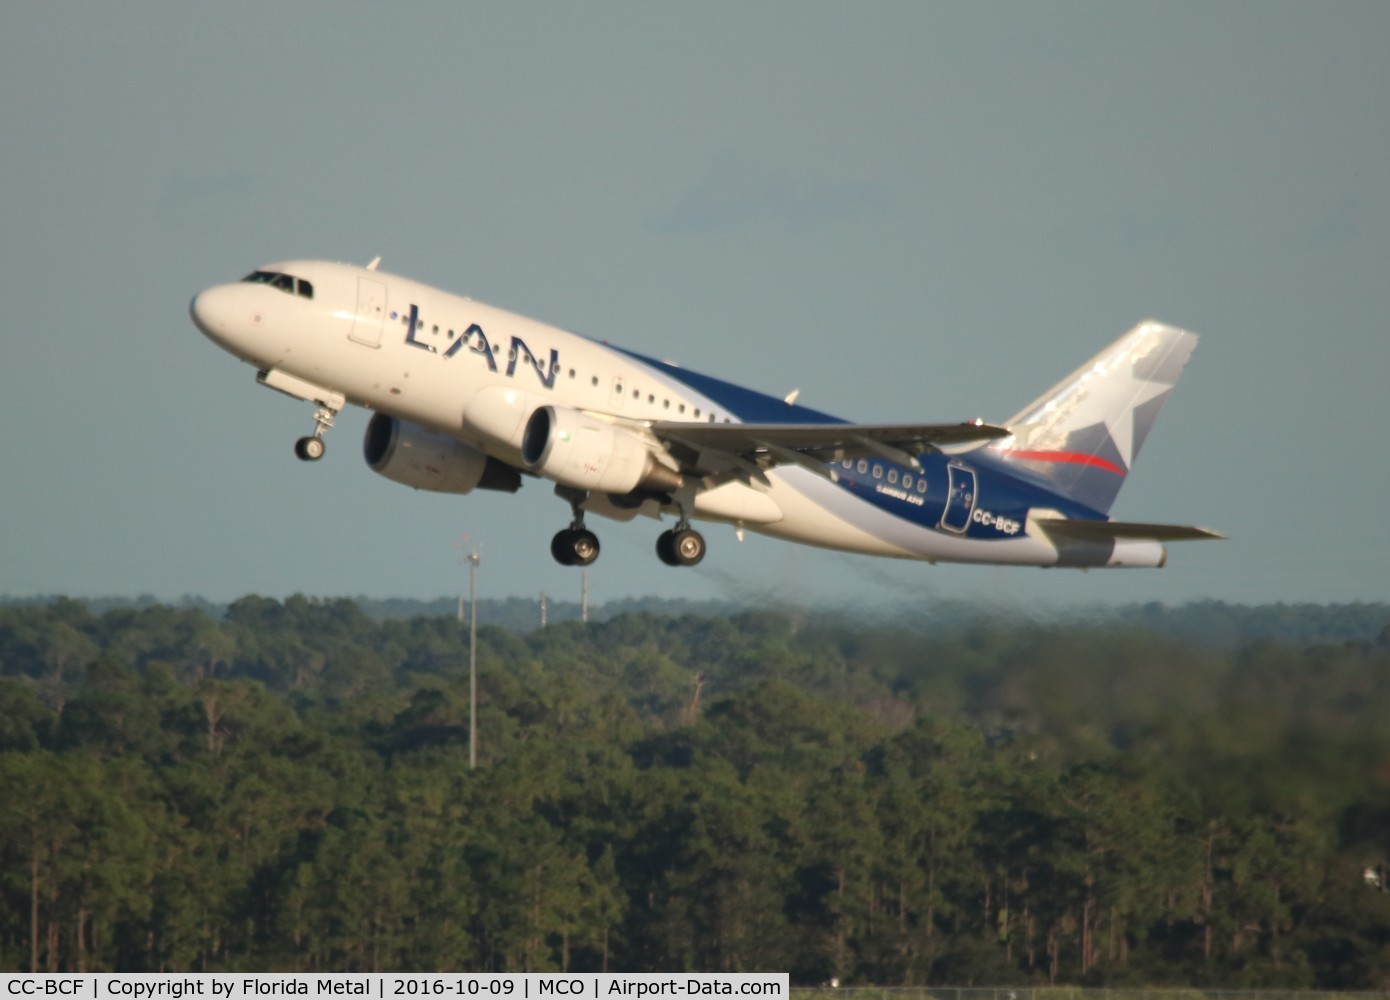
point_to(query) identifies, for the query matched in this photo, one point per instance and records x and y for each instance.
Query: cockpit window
(284, 282)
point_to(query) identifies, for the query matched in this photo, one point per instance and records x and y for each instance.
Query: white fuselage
(423, 355)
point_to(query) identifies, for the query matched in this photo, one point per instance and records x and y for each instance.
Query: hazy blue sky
(910, 211)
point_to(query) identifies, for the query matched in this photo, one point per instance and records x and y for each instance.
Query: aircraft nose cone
(214, 311)
(204, 313)
(233, 321)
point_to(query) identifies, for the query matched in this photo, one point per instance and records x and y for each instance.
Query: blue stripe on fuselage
(999, 493)
(749, 406)
(1005, 499)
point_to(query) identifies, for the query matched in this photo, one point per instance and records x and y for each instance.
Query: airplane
(467, 396)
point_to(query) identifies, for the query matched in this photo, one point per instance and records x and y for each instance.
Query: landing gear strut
(682, 545)
(576, 545)
(311, 449)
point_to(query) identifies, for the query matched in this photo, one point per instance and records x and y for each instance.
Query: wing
(1095, 531)
(747, 450)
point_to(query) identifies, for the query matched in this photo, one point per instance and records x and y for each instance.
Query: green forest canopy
(1155, 797)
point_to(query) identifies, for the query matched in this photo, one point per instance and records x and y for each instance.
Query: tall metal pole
(584, 596)
(473, 561)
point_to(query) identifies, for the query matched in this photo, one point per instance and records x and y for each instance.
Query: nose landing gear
(311, 448)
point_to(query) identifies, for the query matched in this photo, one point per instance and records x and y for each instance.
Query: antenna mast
(473, 560)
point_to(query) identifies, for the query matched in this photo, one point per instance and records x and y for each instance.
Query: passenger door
(960, 499)
(371, 313)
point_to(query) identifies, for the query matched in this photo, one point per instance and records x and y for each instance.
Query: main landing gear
(578, 546)
(311, 449)
(575, 546)
(680, 546)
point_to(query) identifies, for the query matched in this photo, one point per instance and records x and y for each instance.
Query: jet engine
(589, 454)
(414, 456)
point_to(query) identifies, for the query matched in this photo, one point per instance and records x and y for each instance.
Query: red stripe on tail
(1069, 457)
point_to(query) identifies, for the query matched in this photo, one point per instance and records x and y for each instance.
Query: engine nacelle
(409, 454)
(590, 454)
(498, 414)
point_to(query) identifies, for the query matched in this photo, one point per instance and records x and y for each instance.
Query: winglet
(375, 261)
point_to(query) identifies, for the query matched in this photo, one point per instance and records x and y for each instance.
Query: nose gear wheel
(311, 449)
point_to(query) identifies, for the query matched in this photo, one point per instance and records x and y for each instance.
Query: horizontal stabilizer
(1096, 531)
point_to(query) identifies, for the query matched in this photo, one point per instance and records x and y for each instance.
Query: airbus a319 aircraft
(466, 396)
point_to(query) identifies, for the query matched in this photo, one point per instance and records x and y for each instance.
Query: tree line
(285, 787)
